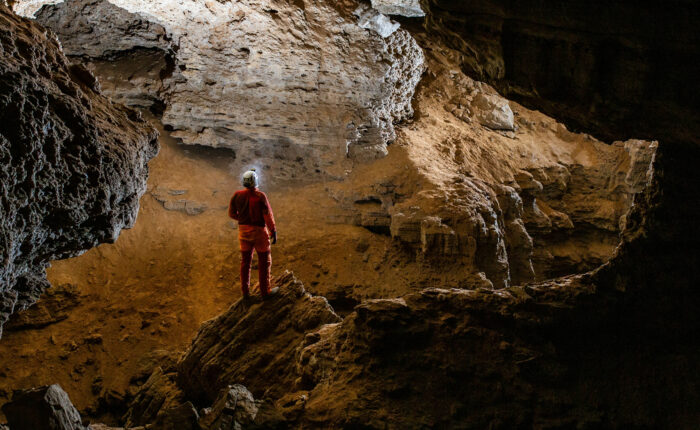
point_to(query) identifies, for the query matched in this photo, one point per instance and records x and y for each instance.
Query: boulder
(156, 396)
(234, 409)
(493, 111)
(45, 408)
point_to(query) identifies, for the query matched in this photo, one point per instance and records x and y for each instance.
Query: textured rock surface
(94, 29)
(73, 164)
(337, 95)
(158, 395)
(46, 408)
(246, 342)
(129, 54)
(512, 206)
(235, 408)
(408, 8)
(493, 112)
(617, 70)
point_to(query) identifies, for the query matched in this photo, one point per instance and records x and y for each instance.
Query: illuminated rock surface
(408, 8)
(290, 82)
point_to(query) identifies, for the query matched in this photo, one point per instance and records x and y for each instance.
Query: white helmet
(250, 179)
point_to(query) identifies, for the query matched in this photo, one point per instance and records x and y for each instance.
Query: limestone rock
(375, 21)
(407, 8)
(248, 341)
(437, 238)
(493, 111)
(234, 409)
(46, 408)
(158, 395)
(235, 85)
(73, 164)
(99, 29)
(128, 53)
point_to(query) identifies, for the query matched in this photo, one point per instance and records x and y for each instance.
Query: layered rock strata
(73, 164)
(131, 55)
(350, 76)
(505, 193)
(250, 340)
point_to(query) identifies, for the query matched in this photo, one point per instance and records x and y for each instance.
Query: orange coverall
(256, 223)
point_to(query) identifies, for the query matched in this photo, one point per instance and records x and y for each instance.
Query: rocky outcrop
(253, 344)
(351, 76)
(46, 408)
(520, 357)
(73, 163)
(158, 397)
(235, 408)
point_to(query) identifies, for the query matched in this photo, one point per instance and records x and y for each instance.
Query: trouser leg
(246, 259)
(264, 265)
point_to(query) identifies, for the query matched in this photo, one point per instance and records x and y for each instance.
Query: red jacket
(251, 207)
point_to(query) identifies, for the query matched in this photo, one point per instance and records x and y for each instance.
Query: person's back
(256, 224)
(250, 206)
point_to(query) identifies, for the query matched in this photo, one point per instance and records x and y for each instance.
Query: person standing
(256, 231)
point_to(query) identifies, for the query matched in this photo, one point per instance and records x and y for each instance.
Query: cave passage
(432, 231)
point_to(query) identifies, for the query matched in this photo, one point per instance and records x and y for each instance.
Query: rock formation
(247, 342)
(73, 163)
(620, 70)
(130, 55)
(46, 408)
(486, 185)
(235, 408)
(408, 8)
(350, 76)
(499, 191)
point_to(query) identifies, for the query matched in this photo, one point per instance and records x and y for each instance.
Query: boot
(272, 292)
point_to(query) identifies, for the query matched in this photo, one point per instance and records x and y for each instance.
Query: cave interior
(486, 211)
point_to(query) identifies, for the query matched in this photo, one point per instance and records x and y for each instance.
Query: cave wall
(72, 164)
(304, 85)
(613, 348)
(614, 70)
(130, 55)
(623, 69)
